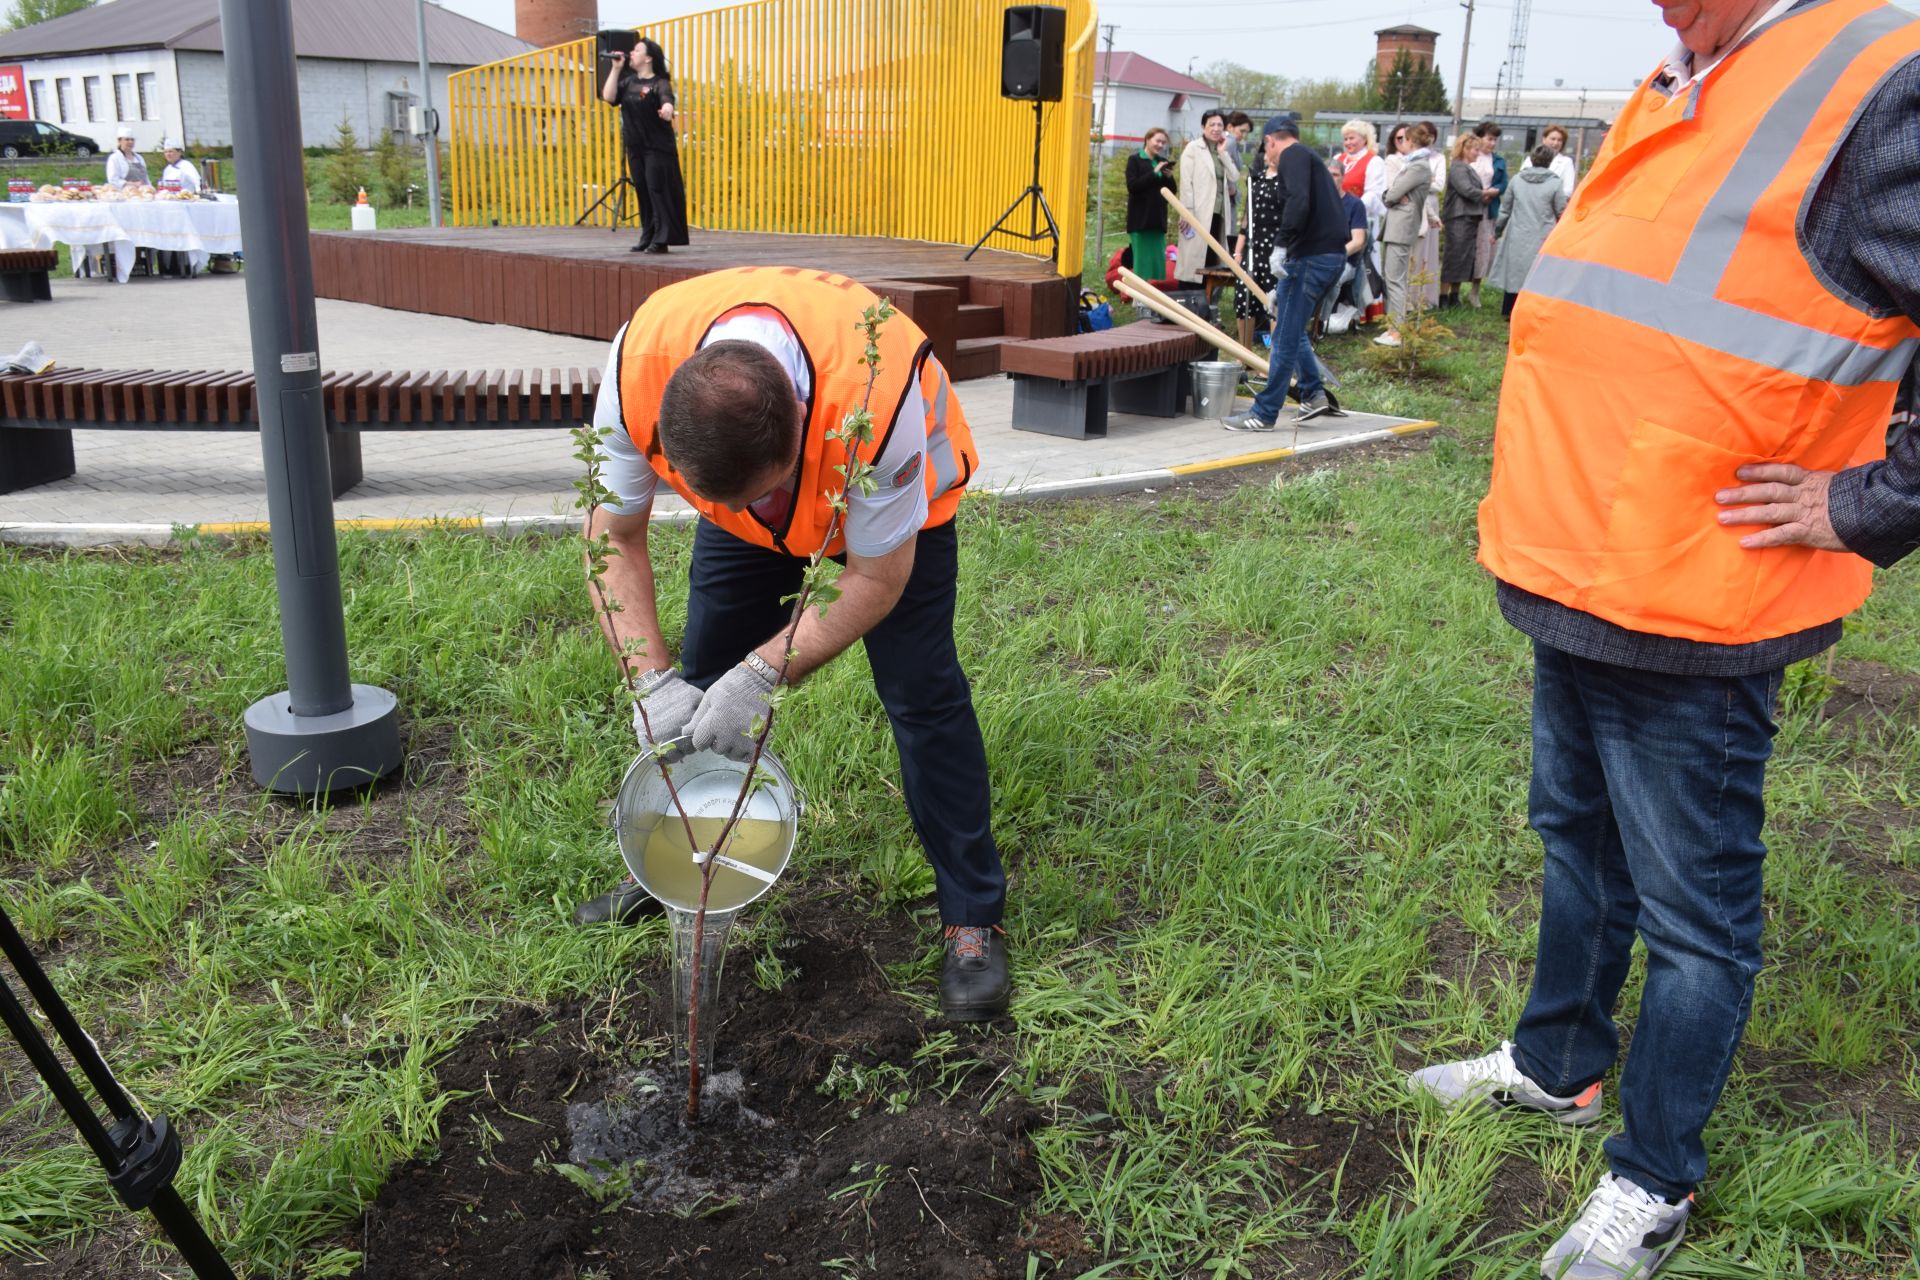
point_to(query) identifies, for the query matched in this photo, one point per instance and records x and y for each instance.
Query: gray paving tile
(141, 477)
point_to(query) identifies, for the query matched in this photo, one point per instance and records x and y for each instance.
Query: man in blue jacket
(1312, 249)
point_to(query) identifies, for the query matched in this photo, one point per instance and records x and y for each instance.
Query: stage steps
(978, 357)
(582, 281)
(977, 320)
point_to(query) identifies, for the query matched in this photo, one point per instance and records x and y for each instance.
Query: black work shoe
(973, 973)
(629, 904)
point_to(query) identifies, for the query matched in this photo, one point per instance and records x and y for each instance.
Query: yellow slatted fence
(819, 117)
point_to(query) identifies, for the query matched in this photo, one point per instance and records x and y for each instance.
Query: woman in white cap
(179, 169)
(125, 166)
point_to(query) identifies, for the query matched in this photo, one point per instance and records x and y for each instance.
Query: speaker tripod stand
(1035, 201)
(617, 194)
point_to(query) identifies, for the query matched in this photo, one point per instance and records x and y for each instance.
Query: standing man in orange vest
(725, 387)
(1711, 341)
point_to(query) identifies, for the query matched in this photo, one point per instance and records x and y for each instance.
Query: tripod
(139, 1154)
(617, 193)
(1036, 201)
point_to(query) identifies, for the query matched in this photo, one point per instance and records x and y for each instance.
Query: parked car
(38, 138)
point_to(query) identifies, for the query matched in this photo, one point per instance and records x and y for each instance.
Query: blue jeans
(734, 601)
(1647, 795)
(1308, 280)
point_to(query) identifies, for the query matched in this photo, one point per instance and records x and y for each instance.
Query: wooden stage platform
(582, 281)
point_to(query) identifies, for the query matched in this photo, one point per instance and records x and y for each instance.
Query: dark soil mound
(849, 1148)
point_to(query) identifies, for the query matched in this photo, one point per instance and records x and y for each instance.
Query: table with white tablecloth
(197, 228)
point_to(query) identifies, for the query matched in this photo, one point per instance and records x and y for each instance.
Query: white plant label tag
(744, 868)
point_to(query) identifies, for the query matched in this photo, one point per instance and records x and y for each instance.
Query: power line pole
(1100, 159)
(429, 122)
(1460, 93)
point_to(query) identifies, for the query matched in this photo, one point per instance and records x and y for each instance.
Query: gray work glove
(669, 702)
(726, 721)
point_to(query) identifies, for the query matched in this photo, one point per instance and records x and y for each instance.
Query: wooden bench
(38, 415)
(23, 274)
(1067, 386)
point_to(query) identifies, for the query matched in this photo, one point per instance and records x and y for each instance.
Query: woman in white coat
(1206, 175)
(1554, 138)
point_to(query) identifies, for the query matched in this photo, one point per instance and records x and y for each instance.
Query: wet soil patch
(1796, 1092)
(1872, 696)
(1350, 1160)
(858, 1133)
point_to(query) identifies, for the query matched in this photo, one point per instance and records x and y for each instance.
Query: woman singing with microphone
(641, 85)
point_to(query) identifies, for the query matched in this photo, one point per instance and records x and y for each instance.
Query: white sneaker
(1624, 1232)
(1388, 339)
(1497, 1082)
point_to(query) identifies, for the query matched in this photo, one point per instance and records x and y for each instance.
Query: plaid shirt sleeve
(1875, 508)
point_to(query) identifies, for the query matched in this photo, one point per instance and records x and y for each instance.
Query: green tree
(348, 172)
(24, 13)
(392, 169)
(1413, 88)
(1243, 88)
(1309, 96)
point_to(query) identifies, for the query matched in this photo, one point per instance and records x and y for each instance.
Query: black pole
(324, 732)
(140, 1155)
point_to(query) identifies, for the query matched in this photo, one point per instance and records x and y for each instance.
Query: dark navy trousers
(734, 592)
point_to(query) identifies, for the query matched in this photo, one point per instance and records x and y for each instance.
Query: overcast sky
(1597, 44)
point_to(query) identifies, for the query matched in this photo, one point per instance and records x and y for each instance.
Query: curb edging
(159, 535)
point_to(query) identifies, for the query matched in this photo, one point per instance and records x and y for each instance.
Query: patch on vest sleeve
(909, 472)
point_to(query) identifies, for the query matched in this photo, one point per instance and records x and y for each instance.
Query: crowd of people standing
(1436, 224)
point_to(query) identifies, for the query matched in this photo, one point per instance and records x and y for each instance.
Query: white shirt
(182, 172)
(876, 523)
(1680, 74)
(121, 169)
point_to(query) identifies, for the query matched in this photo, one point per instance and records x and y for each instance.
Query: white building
(157, 65)
(1553, 104)
(1139, 93)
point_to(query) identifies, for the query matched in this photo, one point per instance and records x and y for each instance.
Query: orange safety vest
(1673, 330)
(823, 310)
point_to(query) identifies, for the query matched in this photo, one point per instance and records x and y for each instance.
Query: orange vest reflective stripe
(823, 310)
(1672, 330)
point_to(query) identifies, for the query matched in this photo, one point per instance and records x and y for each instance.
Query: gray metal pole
(433, 125)
(323, 732)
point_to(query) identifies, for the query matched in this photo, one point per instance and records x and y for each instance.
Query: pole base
(313, 755)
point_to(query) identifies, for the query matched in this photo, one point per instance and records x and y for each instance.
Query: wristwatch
(762, 668)
(648, 681)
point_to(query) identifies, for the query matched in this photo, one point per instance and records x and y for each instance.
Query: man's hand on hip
(668, 703)
(1791, 499)
(732, 714)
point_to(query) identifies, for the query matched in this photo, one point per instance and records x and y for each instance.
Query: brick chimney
(549, 22)
(1417, 42)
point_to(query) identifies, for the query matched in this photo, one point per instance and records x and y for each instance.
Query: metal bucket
(1214, 384)
(653, 839)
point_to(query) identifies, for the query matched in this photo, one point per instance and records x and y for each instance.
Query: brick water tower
(1416, 42)
(545, 23)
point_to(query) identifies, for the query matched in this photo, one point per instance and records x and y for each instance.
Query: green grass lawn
(1260, 763)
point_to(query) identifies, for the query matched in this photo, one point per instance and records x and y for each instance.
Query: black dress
(653, 159)
(1263, 211)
